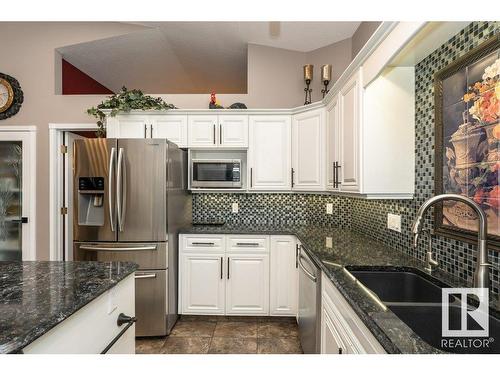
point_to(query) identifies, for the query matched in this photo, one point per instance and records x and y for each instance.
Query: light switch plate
(235, 208)
(329, 208)
(394, 222)
(329, 242)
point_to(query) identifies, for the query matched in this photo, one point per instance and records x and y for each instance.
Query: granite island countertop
(351, 249)
(36, 296)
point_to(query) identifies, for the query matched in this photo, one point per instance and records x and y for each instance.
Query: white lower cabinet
(284, 280)
(247, 287)
(202, 283)
(342, 331)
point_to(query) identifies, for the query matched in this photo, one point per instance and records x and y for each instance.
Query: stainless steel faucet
(431, 262)
(482, 273)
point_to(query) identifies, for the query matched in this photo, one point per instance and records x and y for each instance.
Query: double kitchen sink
(416, 299)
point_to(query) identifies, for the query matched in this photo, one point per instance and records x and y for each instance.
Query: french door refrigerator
(130, 198)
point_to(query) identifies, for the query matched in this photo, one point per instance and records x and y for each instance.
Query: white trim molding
(56, 192)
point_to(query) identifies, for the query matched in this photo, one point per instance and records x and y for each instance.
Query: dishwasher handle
(308, 274)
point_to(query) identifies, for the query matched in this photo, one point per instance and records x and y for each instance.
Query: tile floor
(226, 335)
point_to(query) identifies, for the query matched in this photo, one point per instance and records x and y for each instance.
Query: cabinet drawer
(247, 243)
(92, 328)
(203, 242)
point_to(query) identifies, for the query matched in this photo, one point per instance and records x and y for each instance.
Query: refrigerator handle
(121, 189)
(110, 188)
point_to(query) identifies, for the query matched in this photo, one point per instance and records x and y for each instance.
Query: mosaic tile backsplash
(370, 216)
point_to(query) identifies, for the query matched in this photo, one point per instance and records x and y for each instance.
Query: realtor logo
(462, 320)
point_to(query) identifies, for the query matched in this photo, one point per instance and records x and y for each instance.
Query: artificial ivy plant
(125, 101)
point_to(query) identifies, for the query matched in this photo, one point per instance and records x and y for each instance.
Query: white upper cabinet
(202, 131)
(269, 152)
(284, 280)
(233, 131)
(308, 150)
(332, 143)
(350, 126)
(212, 131)
(128, 126)
(172, 127)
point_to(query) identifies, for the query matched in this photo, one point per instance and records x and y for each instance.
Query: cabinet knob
(125, 319)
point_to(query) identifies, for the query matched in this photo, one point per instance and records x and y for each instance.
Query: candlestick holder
(308, 92)
(325, 90)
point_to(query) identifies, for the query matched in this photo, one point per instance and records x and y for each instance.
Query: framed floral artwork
(467, 152)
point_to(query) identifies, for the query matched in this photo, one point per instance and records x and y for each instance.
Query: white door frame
(56, 199)
(28, 134)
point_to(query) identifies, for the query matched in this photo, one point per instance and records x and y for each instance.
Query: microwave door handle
(110, 188)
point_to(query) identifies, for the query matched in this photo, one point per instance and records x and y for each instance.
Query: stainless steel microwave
(220, 173)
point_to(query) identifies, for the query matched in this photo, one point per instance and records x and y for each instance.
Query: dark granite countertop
(353, 249)
(36, 296)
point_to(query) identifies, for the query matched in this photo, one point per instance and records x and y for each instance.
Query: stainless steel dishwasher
(309, 304)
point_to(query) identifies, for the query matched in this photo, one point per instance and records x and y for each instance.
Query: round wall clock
(11, 96)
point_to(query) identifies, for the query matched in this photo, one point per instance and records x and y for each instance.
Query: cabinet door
(331, 342)
(233, 131)
(332, 142)
(201, 288)
(269, 153)
(172, 127)
(283, 291)
(132, 126)
(308, 149)
(202, 131)
(247, 284)
(350, 120)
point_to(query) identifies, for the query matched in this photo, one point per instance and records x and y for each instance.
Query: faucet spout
(481, 274)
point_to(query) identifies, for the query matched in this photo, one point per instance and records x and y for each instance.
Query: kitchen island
(66, 307)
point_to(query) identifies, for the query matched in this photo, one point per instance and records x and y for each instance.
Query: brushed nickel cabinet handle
(247, 244)
(228, 261)
(297, 247)
(214, 133)
(145, 276)
(203, 243)
(221, 266)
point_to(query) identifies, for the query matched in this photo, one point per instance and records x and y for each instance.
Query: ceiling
(194, 57)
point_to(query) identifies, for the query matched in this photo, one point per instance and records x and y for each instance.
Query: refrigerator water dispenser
(90, 201)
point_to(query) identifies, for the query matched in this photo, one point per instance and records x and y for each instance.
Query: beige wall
(338, 55)
(362, 34)
(28, 55)
(274, 81)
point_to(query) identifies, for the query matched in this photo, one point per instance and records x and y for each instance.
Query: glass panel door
(10, 200)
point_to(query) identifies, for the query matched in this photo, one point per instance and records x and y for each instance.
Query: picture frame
(467, 142)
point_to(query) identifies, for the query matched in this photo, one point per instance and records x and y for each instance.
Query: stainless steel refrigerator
(130, 198)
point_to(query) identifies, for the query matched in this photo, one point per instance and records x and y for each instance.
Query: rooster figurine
(213, 102)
